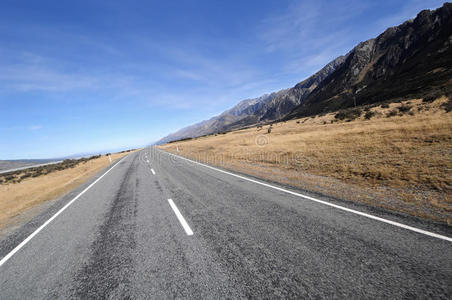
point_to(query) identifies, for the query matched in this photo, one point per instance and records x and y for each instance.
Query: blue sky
(90, 76)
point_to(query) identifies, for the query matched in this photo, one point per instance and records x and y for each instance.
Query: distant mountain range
(412, 60)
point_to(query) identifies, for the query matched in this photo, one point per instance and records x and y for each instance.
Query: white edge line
(24, 242)
(432, 234)
(153, 172)
(180, 217)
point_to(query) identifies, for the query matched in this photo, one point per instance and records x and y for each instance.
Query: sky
(89, 76)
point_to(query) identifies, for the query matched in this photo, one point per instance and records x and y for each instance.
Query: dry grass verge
(397, 156)
(18, 197)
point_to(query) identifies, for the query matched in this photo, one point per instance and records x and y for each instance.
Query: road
(158, 226)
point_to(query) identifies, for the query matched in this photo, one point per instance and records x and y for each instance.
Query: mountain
(243, 109)
(283, 103)
(411, 60)
(268, 107)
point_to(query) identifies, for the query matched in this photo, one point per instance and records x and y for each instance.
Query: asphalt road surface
(158, 226)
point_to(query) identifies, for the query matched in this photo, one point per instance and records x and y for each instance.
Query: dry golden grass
(16, 198)
(403, 162)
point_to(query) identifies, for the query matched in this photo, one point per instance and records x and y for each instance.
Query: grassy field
(397, 155)
(21, 194)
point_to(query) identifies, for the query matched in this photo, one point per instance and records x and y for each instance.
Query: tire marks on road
(107, 273)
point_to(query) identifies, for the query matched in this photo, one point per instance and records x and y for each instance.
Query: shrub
(348, 114)
(340, 115)
(431, 97)
(298, 122)
(404, 108)
(427, 99)
(447, 106)
(26, 175)
(9, 177)
(384, 105)
(392, 113)
(369, 115)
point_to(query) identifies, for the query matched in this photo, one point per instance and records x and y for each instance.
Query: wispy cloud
(26, 71)
(408, 11)
(33, 78)
(35, 127)
(289, 28)
(310, 34)
(213, 70)
(188, 74)
(304, 25)
(203, 79)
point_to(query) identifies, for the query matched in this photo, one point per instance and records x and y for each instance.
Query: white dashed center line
(180, 217)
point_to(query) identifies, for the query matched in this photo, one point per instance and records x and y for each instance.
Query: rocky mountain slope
(246, 108)
(283, 103)
(413, 60)
(266, 108)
